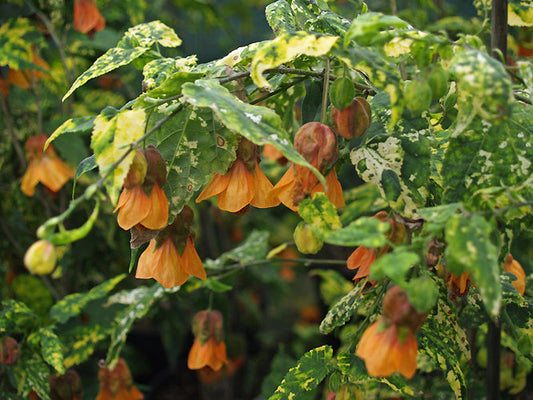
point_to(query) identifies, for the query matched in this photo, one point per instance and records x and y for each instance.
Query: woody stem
(325, 93)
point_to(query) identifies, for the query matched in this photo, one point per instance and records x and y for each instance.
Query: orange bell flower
(142, 200)
(514, 267)
(46, 168)
(117, 383)
(361, 259)
(162, 261)
(241, 187)
(208, 348)
(389, 344)
(460, 285)
(87, 18)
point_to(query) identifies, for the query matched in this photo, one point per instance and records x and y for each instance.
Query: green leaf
(365, 231)
(15, 313)
(51, 349)
(342, 311)
(254, 248)
(80, 343)
(281, 18)
(396, 159)
(86, 165)
(260, 125)
(216, 286)
(333, 286)
(439, 214)
(367, 28)
(72, 304)
(422, 293)
(285, 48)
(319, 212)
(158, 70)
(394, 265)
(194, 146)
(73, 125)
(520, 13)
(17, 36)
(110, 140)
(470, 249)
(31, 373)
(145, 297)
(312, 368)
(136, 42)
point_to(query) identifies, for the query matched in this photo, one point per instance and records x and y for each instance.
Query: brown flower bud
(41, 257)
(398, 310)
(318, 144)
(206, 324)
(9, 351)
(354, 120)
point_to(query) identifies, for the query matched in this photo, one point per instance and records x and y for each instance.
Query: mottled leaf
(394, 265)
(72, 304)
(365, 231)
(17, 36)
(281, 18)
(80, 343)
(51, 349)
(255, 247)
(260, 125)
(342, 311)
(312, 368)
(333, 286)
(31, 373)
(470, 249)
(520, 13)
(329, 23)
(285, 48)
(73, 125)
(319, 212)
(367, 28)
(15, 313)
(158, 70)
(110, 140)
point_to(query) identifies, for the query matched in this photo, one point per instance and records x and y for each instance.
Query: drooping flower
(459, 285)
(117, 383)
(171, 257)
(46, 168)
(142, 200)
(87, 18)
(514, 267)
(208, 348)
(244, 184)
(389, 344)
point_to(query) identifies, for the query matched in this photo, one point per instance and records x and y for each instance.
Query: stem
(325, 93)
(498, 36)
(493, 360)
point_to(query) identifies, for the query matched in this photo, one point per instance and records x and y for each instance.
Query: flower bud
(137, 171)
(307, 241)
(318, 144)
(399, 311)
(9, 351)
(341, 93)
(247, 152)
(206, 324)
(352, 121)
(41, 257)
(66, 387)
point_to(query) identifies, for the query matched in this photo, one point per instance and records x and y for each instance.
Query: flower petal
(191, 262)
(30, 179)
(135, 208)
(284, 189)
(262, 189)
(157, 218)
(54, 173)
(334, 189)
(240, 190)
(216, 185)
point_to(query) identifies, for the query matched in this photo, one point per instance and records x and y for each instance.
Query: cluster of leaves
(453, 167)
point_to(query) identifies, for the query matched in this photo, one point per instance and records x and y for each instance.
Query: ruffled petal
(157, 218)
(240, 190)
(192, 263)
(283, 190)
(54, 173)
(216, 185)
(136, 206)
(196, 355)
(30, 179)
(262, 189)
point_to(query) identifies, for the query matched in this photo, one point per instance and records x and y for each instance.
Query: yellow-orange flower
(460, 285)
(142, 200)
(46, 168)
(361, 259)
(239, 188)
(285, 190)
(87, 18)
(387, 349)
(117, 383)
(208, 348)
(514, 267)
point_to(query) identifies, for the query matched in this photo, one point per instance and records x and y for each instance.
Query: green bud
(307, 241)
(40, 258)
(342, 93)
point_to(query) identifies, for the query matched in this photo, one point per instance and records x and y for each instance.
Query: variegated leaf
(342, 311)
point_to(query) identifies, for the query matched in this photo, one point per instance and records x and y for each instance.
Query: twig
(325, 93)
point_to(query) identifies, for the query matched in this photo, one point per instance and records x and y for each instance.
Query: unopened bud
(9, 351)
(206, 324)
(41, 257)
(317, 143)
(352, 121)
(307, 241)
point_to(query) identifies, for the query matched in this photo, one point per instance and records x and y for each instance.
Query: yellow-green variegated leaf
(51, 349)
(110, 140)
(520, 13)
(286, 48)
(17, 36)
(73, 125)
(154, 32)
(80, 343)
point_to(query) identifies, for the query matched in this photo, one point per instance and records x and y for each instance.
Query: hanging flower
(208, 348)
(117, 383)
(318, 145)
(459, 285)
(244, 184)
(87, 18)
(46, 168)
(389, 344)
(162, 260)
(512, 266)
(142, 200)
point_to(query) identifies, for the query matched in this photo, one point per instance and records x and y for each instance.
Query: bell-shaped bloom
(388, 349)
(244, 184)
(514, 267)
(87, 18)
(208, 348)
(389, 344)
(143, 200)
(459, 285)
(117, 383)
(162, 261)
(287, 190)
(361, 259)
(46, 168)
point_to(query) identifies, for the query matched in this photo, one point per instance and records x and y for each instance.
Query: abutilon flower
(87, 18)
(46, 168)
(208, 348)
(171, 257)
(243, 184)
(514, 267)
(389, 344)
(459, 285)
(318, 145)
(117, 383)
(142, 200)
